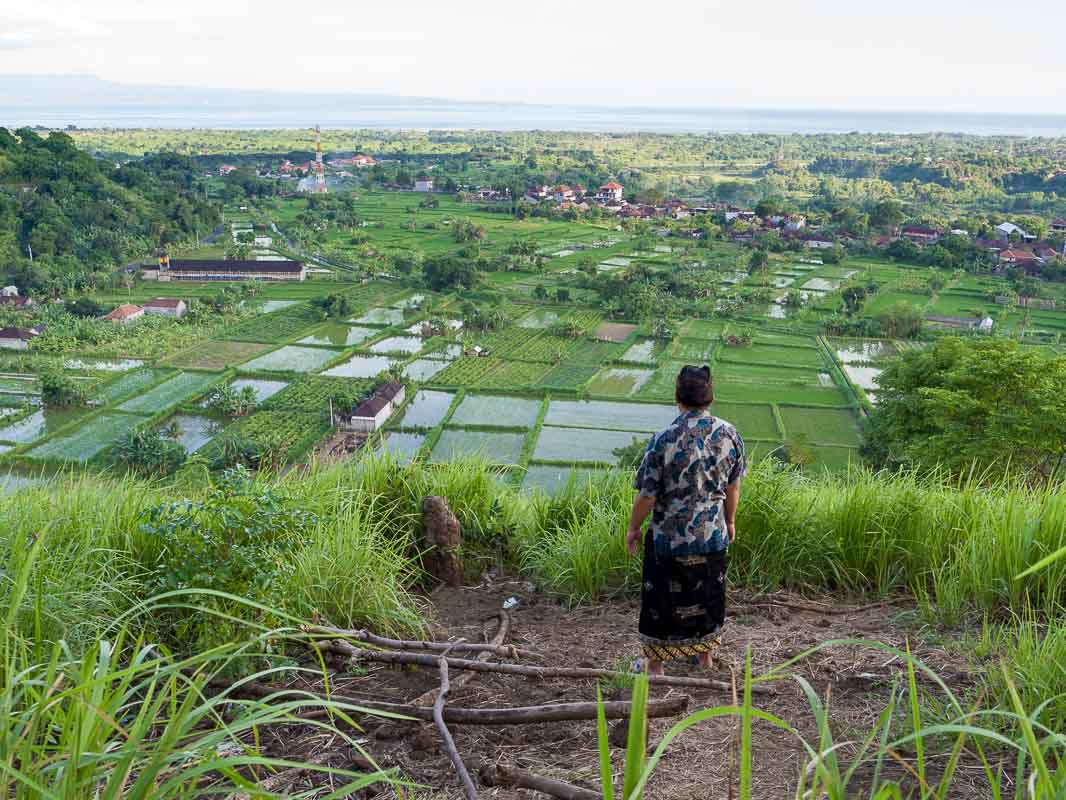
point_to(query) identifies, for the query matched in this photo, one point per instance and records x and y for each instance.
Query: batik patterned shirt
(686, 469)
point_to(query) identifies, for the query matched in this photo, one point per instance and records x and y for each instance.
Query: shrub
(236, 540)
(149, 453)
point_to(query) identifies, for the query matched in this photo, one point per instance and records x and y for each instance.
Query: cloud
(17, 40)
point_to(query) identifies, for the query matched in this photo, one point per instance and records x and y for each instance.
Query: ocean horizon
(448, 115)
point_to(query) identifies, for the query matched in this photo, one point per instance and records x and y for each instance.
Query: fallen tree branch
(446, 735)
(770, 602)
(513, 715)
(504, 628)
(319, 632)
(499, 775)
(530, 671)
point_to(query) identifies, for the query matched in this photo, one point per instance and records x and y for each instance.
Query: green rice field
(496, 411)
(426, 409)
(292, 358)
(574, 445)
(183, 386)
(89, 440)
(496, 448)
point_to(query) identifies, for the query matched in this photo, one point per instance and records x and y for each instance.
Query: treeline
(68, 221)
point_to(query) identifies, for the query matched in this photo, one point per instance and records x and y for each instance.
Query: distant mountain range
(88, 91)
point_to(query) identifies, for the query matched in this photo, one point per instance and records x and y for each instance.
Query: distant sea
(444, 115)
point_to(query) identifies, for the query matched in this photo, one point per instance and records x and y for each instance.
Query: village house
(263, 241)
(610, 193)
(125, 313)
(166, 306)
(1021, 259)
(226, 169)
(359, 160)
(211, 269)
(373, 412)
(14, 299)
(919, 234)
(538, 193)
(983, 324)
(737, 214)
(18, 338)
(423, 183)
(1007, 229)
(562, 193)
(1058, 226)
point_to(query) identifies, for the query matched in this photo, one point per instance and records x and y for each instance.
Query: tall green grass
(125, 718)
(897, 757)
(959, 546)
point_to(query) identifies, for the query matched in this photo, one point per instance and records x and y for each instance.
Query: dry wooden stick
(499, 775)
(770, 602)
(514, 715)
(446, 735)
(503, 629)
(320, 632)
(381, 657)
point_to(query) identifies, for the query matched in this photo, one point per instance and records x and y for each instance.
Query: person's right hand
(633, 538)
(732, 530)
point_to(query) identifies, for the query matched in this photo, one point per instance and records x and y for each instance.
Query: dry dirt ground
(856, 680)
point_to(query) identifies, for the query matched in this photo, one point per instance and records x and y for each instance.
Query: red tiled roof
(611, 185)
(125, 311)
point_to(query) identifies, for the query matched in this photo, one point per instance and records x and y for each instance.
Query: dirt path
(857, 679)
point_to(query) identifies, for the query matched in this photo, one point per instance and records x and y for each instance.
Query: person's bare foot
(654, 667)
(706, 660)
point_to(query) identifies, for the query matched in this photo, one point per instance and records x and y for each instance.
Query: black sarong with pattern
(682, 604)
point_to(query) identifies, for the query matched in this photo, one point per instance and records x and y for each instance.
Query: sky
(942, 55)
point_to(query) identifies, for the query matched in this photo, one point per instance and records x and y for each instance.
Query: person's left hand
(633, 537)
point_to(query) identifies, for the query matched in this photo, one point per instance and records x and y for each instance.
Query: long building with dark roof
(217, 269)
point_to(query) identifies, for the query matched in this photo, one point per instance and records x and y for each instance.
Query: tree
(854, 297)
(768, 207)
(886, 214)
(484, 316)
(232, 402)
(149, 453)
(901, 320)
(238, 251)
(466, 231)
(562, 295)
(448, 273)
(963, 403)
(758, 261)
(85, 307)
(60, 389)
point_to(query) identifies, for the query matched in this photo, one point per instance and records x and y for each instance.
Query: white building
(374, 412)
(9, 291)
(423, 184)
(1006, 229)
(166, 306)
(263, 241)
(17, 338)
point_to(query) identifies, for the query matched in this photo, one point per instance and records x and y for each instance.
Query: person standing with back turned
(689, 481)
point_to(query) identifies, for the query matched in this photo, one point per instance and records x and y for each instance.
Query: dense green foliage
(82, 217)
(973, 404)
(148, 452)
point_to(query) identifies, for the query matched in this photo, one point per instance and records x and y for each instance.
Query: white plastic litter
(510, 603)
